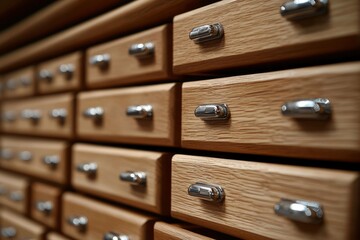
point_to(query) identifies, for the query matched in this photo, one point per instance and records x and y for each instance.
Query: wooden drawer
(40, 116)
(46, 204)
(61, 74)
(19, 83)
(14, 226)
(102, 115)
(46, 159)
(14, 192)
(148, 62)
(55, 236)
(252, 191)
(256, 33)
(145, 181)
(256, 124)
(101, 219)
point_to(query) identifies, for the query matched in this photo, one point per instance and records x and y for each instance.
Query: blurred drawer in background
(55, 236)
(20, 83)
(140, 115)
(254, 33)
(309, 112)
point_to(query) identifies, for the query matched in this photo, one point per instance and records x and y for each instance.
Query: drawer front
(20, 83)
(61, 74)
(141, 115)
(14, 192)
(55, 236)
(47, 159)
(255, 33)
(165, 231)
(114, 63)
(256, 125)
(14, 226)
(137, 178)
(246, 194)
(88, 219)
(48, 116)
(45, 204)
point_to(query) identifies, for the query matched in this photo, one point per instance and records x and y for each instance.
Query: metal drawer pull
(8, 232)
(58, 113)
(45, 75)
(136, 178)
(300, 210)
(207, 192)
(115, 236)
(207, 33)
(319, 108)
(44, 206)
(51, 160)
(297, 9)
(11, 84)
(9, 116)
(7, 154)
(212, 112)
(25, 81)
(88, 168)
(94, 112)
(29, 114)
(142, 49)
(16, 196)
(101, 60)
(25, 156)
(140, 111)
(79, 222)
(67, 70)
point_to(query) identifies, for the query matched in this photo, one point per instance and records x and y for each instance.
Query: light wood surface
(46, 126)
(103, 218)
(165, 231)
(125, 69)
(154, 196)
(251, 191)
(61, 82)
(256, 124)
(46, 193)
(116, 126)
(256, 33)
(39, 149)
(55, 236)
(20, 90)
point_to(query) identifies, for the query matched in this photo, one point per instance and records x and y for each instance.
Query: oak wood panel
(256, 124)
(61, 82)
(256, 33)
(162, 129)
(55, 236)
(251, 191)
(125, 69)
(131, 17)
(103, 218)
(38, 149)
(46, 193)
(154, 196)
(46, 126)
(165, 231)
(19, 90)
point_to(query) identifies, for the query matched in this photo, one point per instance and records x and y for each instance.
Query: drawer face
(14, 192)
(47, 159)
(61, 74)
(150, 61)
(20, 83)
(256, 124)
(55, 236)
(47, 116)
(21, 228)
(45, 204)
(162, 128)
(251, 191)
(102, 218)
(165, 231)
(149, 190)
(256, 33)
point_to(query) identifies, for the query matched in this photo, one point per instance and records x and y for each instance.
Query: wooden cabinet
(55, 236)
(20, 83)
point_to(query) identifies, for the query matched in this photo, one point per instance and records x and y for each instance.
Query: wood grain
(55, 236)
(256, 125)
(252, 189)
(20, 90)
(154, 196)
(256, 33)
(103, 218)
(162, 129)
(165, 231)
(136, 70)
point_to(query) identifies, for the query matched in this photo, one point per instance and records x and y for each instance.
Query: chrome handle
(29, 114)
(115, 236)
(297, 9)
(45, 75)
(101, 60)
(11, 84)
(9, 116)
(319, 108)
(300, 210)
(7, 154)
(140, 111)
(8, 232)
(88, 168)
(67, 70)
(142, 49)
(25, 81)
(207, 33)
(207, 192)
(16, 196)
(136, 178)
(94, 112)
(25, 156)
(51, 160)
(44, 206)
(80, 222)
(58, 113)
(212, 112)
